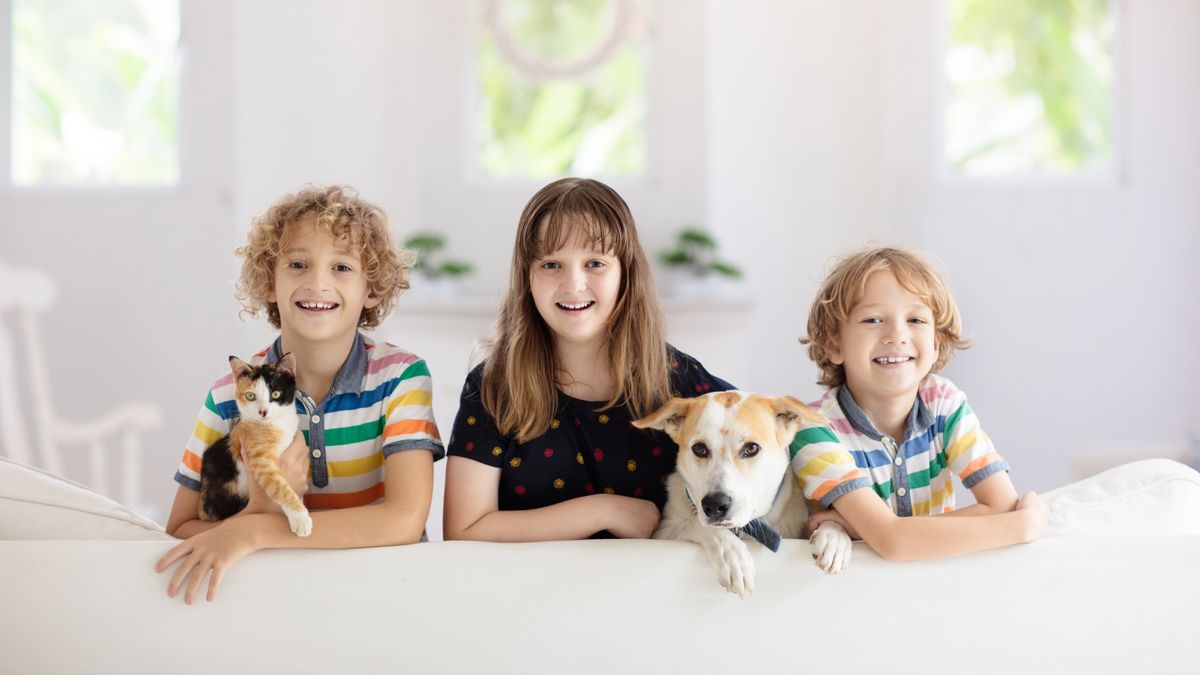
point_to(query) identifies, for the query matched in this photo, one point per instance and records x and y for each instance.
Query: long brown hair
(520, 378)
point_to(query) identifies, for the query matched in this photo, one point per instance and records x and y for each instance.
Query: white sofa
(1113, 588)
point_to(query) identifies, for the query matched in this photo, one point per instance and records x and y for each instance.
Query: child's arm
(400, 519)
(898, 538)
(183, 523)
(994, 494)
(472, 511)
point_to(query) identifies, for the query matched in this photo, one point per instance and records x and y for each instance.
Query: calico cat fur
(265, 399)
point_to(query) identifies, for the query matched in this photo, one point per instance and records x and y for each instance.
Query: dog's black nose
(716, 505)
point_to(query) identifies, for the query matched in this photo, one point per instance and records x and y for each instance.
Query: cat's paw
(300, 522)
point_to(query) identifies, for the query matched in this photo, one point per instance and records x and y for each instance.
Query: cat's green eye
(249, 396)
(275, 394)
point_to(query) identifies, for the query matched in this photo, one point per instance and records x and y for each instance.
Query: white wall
(1082, 297)
(797, 130)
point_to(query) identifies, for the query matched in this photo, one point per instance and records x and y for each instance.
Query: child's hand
(294, 463)
(1038, 515)
(629, 517)
(830, 514)
(214, 551)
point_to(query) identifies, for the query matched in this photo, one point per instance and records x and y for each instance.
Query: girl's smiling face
(888, 343)
(575, 290)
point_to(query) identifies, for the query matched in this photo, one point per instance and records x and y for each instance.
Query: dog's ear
(668, 418)
(791, 414)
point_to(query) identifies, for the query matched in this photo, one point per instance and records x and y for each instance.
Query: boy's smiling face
(320, 288)
(888, 344)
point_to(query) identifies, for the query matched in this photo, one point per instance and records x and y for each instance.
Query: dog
(733, 479)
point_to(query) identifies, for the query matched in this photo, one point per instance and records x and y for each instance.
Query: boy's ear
(791, 415)
(371, 301)
(288, 363)
(668, 418)
(834, 351)
(239, 367)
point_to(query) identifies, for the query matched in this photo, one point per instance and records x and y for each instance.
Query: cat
(266, 399)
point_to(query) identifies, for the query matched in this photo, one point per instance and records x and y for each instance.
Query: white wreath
(540, 69)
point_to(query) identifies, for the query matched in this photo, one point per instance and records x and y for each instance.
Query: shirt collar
(349, 379)
(920, 417)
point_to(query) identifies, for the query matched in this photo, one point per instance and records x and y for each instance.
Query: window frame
(8, 184)
(474, 175)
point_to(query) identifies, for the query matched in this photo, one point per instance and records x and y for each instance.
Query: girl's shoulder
(689, 377)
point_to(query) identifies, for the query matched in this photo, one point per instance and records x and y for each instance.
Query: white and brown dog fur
(734, 467)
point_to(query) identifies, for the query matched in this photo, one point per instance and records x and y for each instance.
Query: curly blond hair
(352, 222)
(844, 288)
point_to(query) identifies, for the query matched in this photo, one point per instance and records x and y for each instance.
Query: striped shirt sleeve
(825, 469)
(214, 422)
(409, 423)
(969, 452)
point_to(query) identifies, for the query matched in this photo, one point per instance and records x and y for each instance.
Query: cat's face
(266, 392)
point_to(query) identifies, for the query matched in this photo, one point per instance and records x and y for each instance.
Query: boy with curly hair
(322, 264)
(882, 325)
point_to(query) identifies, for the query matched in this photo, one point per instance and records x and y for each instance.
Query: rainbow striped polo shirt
(380, 403)
(942, 439)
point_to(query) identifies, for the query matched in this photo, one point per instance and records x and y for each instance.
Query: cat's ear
(239, 367)
(288, 363)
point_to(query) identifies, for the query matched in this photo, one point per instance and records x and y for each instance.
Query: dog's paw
(300, 522)
(831, 548)
(735, 567)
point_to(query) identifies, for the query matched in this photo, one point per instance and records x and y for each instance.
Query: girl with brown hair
(542, 448)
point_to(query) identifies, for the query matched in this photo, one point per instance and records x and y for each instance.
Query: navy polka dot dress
(585, 451)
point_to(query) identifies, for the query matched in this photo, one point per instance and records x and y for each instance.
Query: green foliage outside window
(1030, 86)
(590, 124)
(95, 92)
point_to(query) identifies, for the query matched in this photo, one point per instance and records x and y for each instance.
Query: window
(1030, 87)
(561, 89)
(95, 92)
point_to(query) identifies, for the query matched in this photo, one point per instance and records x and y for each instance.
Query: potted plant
(434, 274)
(694, 262)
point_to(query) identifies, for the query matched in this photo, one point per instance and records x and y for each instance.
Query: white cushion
(35, 504)
(1153, 496)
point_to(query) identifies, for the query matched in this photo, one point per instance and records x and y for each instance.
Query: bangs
(346, 233)
(581, 219)
(916, 280)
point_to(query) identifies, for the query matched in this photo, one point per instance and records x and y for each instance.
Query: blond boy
(882, 325)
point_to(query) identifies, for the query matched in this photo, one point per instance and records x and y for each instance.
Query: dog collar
(756, 529)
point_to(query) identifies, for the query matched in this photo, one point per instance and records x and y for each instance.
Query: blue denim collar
(920, 417)
(349, 379)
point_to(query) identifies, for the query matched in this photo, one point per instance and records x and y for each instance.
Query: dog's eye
(750, 449)
(700, 450)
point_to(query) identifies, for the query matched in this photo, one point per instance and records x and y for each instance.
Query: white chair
(24, 294)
